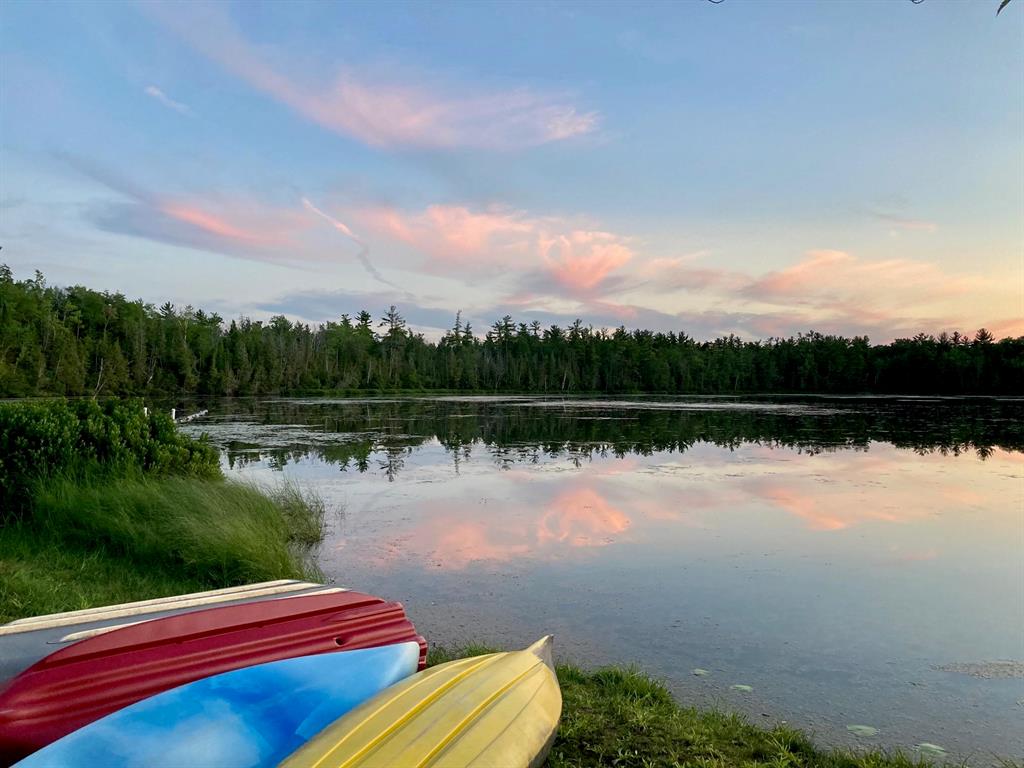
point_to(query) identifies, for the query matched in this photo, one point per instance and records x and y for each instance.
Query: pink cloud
(830, 291)
(825, 271)
(574, 517)
(1008, 327)
(581, 260)
(806, 506)
(379, 111)
(454, 237)
(244, 226)
(213, 224)
(576, 260)
(800, 276)
(908, 558)
(581, 517)
(844, 503)
(460, 543)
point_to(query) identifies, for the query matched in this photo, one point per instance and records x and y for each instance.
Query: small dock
(182, 419)
(185, 419)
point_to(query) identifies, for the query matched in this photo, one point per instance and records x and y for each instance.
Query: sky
(752, 167)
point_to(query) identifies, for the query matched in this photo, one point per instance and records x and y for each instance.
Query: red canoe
(93, 677)
(25, 641)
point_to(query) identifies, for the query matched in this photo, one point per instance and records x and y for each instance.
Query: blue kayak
(245, 718)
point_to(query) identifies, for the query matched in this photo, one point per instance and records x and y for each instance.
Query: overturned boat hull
(25, 641)
(496, 710)
(246, 718)
(100, 674)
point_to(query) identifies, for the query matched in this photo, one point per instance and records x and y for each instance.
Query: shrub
(78, 438)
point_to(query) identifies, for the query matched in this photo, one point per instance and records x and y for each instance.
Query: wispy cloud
(364, 250)
(241, 227)
(213, 224)
(1006, 326)
(902, 222)
(167, 101)
(554, 268)
(381, 111)
(828, 274)
(674, 274)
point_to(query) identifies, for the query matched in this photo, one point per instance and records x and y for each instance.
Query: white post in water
(172, 413)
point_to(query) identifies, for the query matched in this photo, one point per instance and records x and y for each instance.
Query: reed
(226, 532)
(95, 542)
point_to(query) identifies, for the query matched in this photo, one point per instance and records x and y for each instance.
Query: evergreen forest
(76, 341)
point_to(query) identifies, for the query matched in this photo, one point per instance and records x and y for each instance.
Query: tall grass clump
(218, 531)
(303, 511)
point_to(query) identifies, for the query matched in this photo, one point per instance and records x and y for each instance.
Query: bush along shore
(105, 503)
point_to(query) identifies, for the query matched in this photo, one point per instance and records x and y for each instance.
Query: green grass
(93, 543)
(39, 575)
(621, 717)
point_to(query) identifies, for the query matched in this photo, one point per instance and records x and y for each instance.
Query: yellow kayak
(495, 710)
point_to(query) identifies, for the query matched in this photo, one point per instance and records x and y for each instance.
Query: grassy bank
(621, 717)
(106, 503)
(97, 543)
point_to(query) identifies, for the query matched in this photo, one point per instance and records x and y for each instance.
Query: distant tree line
(77, 341)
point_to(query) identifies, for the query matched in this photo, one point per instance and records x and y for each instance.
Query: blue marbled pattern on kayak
(245, 718)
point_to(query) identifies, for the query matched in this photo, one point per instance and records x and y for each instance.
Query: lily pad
(744, 688)
(701, 672)
(930, 750)
(862, 730)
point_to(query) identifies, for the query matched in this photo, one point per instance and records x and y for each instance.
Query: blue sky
(759, 168)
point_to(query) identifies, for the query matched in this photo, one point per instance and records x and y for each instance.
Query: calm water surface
(853, 561)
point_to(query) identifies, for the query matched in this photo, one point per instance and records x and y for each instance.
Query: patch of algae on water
(986, 669)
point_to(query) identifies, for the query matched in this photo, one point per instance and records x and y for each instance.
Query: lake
(853, 561)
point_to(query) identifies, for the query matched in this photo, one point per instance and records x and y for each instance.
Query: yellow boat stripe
(473, 714)
(526, 706)
(474, 665)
